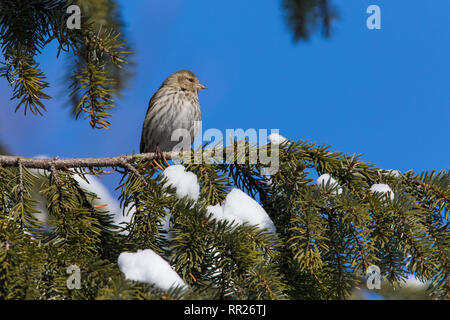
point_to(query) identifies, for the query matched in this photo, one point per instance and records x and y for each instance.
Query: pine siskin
(174, 106)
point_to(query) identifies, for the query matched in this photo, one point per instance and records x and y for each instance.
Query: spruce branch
(360, 248)
(431, 187)
(27, 27)
(305, 16)
(111, 45)
(28, 82)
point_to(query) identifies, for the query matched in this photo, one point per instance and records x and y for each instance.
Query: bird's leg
(162, 156)
(165, 160)
(159, 156)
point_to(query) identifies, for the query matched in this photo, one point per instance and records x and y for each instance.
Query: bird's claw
(159, 158)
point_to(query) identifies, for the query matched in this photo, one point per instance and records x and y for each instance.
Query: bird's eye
(191, 80)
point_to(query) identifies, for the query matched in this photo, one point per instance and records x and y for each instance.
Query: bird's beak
(201, 86)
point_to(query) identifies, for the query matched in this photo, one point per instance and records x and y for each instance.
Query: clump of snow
(324, 179)
(276, 138)
(147, 266)
(217, 212)
(240, 208)
(382, 188)
(165, 225)
(184, 181)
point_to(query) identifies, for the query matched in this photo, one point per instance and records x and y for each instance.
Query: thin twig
(21, 187)
(55, 174)
(133, 170)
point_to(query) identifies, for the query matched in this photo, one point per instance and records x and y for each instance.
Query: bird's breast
(187, 110)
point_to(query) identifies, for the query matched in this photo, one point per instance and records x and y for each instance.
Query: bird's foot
(158, 161)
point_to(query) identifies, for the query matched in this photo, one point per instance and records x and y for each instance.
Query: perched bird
(174, 106)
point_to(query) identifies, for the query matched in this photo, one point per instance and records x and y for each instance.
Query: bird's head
(185, 80)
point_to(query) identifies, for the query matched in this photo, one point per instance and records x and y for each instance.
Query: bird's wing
(150, 105)
(142, 146)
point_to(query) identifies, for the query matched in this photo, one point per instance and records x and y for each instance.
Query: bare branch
(122, 161)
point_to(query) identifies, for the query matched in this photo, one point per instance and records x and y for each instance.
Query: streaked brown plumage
(174, 106)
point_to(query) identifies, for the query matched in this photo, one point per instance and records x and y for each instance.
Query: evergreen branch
(443, 258)
(97, 99)
(27, 27)
(107, 45)
(337, 254)
(28, 82)
(305, 16)
(429, 186)
(265, 284)
(360, 248)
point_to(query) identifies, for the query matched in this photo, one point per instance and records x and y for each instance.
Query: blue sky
(384, 93)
